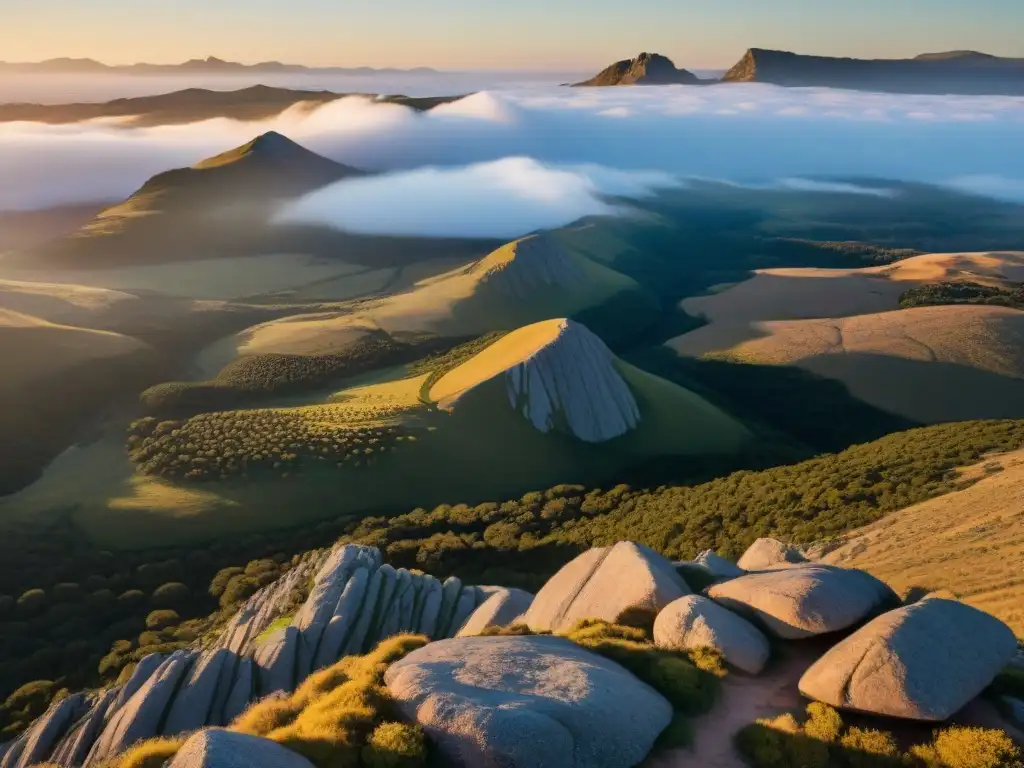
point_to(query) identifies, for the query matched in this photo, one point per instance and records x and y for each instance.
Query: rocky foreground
(535, 698)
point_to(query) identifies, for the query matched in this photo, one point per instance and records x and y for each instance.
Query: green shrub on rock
(162, 619)
(966, 747)
(395, 745)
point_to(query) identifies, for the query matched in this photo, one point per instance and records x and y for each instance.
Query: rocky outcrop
(966, 72)
(39, 741)
(499, 610)
(804, 600)
(645, 69)
(527, 701)
(354, 602)
(557, 374)
(215, 748)
(624, 583)
(923, 661)
(769, 553)
(697, 622)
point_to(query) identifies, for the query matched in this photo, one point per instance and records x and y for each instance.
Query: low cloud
(504, 198)
(574, 146)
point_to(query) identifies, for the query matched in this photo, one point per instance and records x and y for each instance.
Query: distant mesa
(645, 69)
(959, 72)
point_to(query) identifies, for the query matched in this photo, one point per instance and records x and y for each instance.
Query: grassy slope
(969, 541)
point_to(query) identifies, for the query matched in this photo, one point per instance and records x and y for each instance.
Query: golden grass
(222, 278)
(333, 715)
(33, 348)
(152, 753)
(969, 541)
(510, 350)
(801, 293)
(892, 359)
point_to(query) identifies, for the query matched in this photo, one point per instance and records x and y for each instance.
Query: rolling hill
(218, 207)
(524, 281)
(733, 312)
(546, 403)
(644, 69)
(930, 364)
(969, 541)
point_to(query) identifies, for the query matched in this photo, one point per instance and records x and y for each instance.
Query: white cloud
(503, 198)
(999, 187)
(747, 133)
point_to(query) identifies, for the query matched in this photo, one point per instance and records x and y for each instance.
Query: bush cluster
(217, 446)
(249, 380)
(963, 293)
(823, 740)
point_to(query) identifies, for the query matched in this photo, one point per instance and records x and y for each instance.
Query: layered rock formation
(557, 374)
(645, 69)
(355, 602)
(527, 701)
(965, 72)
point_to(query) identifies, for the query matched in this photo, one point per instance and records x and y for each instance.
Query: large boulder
(718, 566)
(275, 657)
(923, 661)
(518, 701)
(500, 609)
(215, 748)
(625, 582)
(193, 704)
(804, 600)
(35, 745)
(697, 622)
(766, 553)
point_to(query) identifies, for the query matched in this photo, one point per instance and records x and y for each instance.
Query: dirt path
(744, 699)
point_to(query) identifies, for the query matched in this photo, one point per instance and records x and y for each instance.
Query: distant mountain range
(258, 102)
(208, 66)
(959, 72)
(645, 69)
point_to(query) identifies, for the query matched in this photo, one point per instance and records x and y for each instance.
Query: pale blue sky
(473, 34)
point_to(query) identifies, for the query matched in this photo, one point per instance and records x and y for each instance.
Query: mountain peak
(523, 266)
(643, 69)
(557, 374)
(270, 146)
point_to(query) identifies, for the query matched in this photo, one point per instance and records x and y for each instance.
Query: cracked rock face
(558, 375)
(527, 701)
(354, 603)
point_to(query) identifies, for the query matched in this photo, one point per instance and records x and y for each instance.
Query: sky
(489, 34)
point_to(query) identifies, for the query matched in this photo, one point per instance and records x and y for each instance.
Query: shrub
(152, 753)
(966, 747)
(1009, 682)
(823, 722)
(32, 601)
(678, 733)
(171, 595)
(333, 714)
(66, 592)
(130, 600)
(220, 582)
(162, 619)
(690, 690)
(779, 743)
(868, 748)
(395, 745)
(238, 589)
